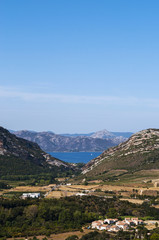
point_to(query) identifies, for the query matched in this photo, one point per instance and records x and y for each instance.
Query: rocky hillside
(19, 156)
(51, 142)
(141, 151)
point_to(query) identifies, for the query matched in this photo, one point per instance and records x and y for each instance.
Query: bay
(75, 157)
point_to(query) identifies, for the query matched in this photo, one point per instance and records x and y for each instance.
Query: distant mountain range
(140, 151)
(91, 142)
(101, 134)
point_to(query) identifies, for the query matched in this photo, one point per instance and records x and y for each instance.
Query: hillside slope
(141, 151)
(19, 156)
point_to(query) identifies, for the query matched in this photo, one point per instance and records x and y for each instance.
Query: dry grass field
(136, 201)
(59, 194)
(69, 190)
(96, 181)
(31, 188)
(150, 224)
(64, 190)
(2, 192)
(115, 188)
(83, 187)
(156, 206)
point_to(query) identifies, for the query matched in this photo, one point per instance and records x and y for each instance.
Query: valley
(122, 182)
(64, 189)
(68, 202)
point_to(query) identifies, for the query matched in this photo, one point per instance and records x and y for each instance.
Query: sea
(75, 157)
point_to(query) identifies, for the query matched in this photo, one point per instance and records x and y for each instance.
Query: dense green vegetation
(18, 166)
(43, 216)
(141, 233)
(43, 178)
(17, 170)
(13, 168)
(23, 159)
(4, 186)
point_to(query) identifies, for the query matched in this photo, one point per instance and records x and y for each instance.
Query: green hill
(22, 157)
(139, 152)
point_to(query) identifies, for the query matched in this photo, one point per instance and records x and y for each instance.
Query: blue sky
(79, 66)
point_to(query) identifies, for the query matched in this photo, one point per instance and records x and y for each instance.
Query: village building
(140, 221)
(97, 224)
(110, 221)
(81, 194)
(123, 225)
(129, 221)
(30, 195)
(103, 227)
(113, 228)
(113, 225)
(133, 221)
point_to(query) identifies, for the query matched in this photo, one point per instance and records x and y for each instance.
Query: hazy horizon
(31, 130)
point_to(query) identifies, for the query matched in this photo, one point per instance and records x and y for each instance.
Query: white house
(81, 194)
(30, 195)
(122, 224)
(110, 221)
(103, 227)
(97, 224)
(140, 221)
(113, 228)
(129, 221)
(137, 221)
(133, 221)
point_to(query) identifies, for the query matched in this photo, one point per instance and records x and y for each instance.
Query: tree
(31, 212)
(112, 213)
(154, 236)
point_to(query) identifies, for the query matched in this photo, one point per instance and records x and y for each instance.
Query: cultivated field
(138, 179)
(136, 201)
(32, 188)
(100, 189)
(59, 194)
(151, 224)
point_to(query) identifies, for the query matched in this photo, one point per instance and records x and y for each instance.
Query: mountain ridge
(140, 151)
